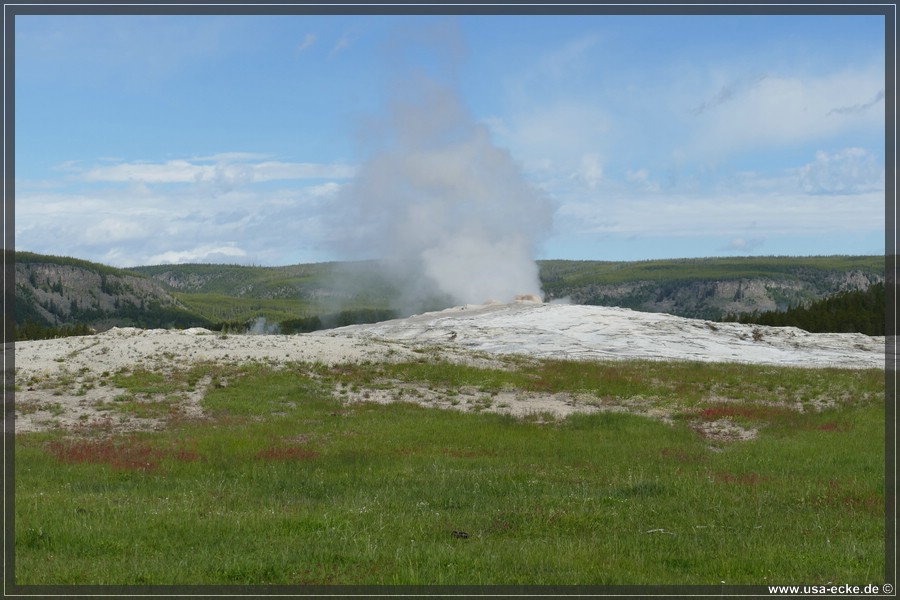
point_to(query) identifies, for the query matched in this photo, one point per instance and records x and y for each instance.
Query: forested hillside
(237, 293)
(56, 295)
(63, 295)
(710, 288)
(860, 311)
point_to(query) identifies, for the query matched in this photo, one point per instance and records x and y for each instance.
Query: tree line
(339, 319)
(30, 330)
(856, 311)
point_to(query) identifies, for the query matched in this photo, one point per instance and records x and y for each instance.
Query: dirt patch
(509, 402)
(725, 430)
(543, 407)
(90, 405)
(754, 412)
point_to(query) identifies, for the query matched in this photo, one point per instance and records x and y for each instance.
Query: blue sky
(155, 139)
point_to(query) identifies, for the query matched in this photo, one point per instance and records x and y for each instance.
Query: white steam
(439, 198)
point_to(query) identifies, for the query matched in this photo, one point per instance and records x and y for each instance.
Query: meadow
(285, 480)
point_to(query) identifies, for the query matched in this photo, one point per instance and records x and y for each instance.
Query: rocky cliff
(714, 298)
(56, 291)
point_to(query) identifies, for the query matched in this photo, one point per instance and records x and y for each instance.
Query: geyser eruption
(443, 206)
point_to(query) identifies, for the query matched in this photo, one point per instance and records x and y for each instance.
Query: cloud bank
(849, 171)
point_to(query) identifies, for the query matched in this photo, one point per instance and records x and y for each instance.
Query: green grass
(283, 484)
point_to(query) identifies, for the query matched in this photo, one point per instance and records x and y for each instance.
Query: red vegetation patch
(128, 456)
(468, 453)
(750, 479)
(872, 504)
(409, 451)
(183, 455)
(757, 413)
(681, 456)
(286, 453)
(124, 454)
(853, 500)
(832, 426)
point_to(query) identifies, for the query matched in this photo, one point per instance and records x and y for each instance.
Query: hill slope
(53, 291)
(710, 288)
(702, 288)
(59, 291)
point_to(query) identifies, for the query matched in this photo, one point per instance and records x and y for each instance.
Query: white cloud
(124, 222)
(779, 110)
(557, 144)
(736, 214)
(567, 129)
(743, 245)
(174, 171)
(56, 205)
(642, 181)
(591, 171)
(860, 107)
(342, 44)
(848, 171)
(200, 254)
(727, 92)
(69, 166)
(691, 129)
(560, 61)
(308, 40)
(226, 157)
(270, 171)
(222, 171)
(115, 230)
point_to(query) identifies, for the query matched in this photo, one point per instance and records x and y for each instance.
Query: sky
(234, 139)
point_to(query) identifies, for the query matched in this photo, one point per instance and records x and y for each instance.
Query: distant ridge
(710, 288)
(53, 291)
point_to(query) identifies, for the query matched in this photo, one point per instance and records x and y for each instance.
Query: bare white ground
(59, 381)
(604, 333)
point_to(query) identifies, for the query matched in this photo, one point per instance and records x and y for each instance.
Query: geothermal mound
(597, 332)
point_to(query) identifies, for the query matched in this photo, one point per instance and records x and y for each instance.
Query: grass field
(283, 482)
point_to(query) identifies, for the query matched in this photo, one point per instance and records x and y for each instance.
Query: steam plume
(444, 207)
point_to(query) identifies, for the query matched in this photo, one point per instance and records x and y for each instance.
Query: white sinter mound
(530, 328)
(595, 332)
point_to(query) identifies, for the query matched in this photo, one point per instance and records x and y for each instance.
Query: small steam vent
(529, 298)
